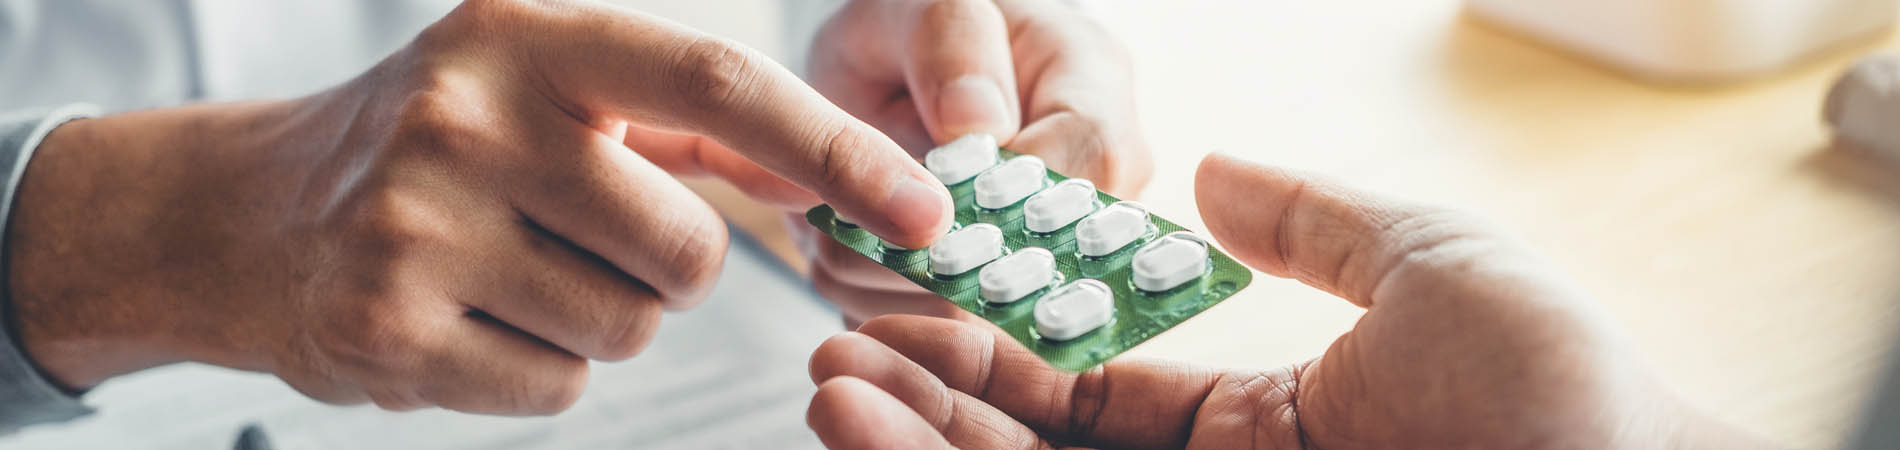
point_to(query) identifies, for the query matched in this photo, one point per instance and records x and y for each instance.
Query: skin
(1468, 341)
(1036, 74)
(463, 226)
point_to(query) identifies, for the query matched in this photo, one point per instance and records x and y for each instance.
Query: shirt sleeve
(26, 396)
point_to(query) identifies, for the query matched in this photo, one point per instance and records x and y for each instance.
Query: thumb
(1329, 236)
(957, 65)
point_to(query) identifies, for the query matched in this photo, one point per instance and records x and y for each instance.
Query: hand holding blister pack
(1078, 276)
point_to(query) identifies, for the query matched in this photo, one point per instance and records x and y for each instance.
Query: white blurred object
(1693, 40)
(1864, 105)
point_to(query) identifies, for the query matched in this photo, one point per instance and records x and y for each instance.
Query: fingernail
(917, 208)
(974, 104)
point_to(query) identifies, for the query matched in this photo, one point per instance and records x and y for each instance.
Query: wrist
(58, 326)
(106, 243)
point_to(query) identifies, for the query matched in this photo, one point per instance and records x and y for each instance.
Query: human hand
(462, 226)
(1037, 75)
(1468, 341)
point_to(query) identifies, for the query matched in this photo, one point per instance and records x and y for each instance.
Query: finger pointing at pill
(745, 102)
(463, 226)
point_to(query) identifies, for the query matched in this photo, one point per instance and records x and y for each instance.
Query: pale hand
(1038, 75)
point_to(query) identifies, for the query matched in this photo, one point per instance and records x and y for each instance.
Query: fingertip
(1205, 175)
(842, 397)
(1240, 206)
(850, 413)
(831, 402)
(1220, 169)
(917, 211)
(976, 104)
(837, 353)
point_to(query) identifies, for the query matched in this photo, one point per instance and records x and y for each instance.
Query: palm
(1491, 358)
(1468, 342)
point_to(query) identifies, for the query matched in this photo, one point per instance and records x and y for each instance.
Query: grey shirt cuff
(26, 396)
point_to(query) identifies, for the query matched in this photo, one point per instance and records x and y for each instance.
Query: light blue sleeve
(26, 396)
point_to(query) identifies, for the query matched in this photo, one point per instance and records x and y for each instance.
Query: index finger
(601, 63)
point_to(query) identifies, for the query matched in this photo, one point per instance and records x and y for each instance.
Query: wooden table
(1757, 266)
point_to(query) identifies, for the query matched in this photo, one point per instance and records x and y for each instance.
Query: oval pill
(1169, 261)
(961, 159)
(1012, 277)
(965, 249)
(1111, 228)
(1010, 182)
(1059, 205)
(1074, 310)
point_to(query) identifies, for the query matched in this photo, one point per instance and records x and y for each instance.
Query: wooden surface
(1757, 267)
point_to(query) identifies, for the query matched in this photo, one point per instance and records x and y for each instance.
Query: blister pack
(1076, 275)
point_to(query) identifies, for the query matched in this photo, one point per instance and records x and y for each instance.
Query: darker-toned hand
(1468, 341)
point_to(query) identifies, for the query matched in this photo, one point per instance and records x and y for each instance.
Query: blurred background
(1670, 154)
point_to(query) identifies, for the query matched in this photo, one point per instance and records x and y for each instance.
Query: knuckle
(434, 119)
(374, 333)
(714, 72)
(838, 152)
(392, 225)
(631, 332)
(561, 390)
(698, 256)
(391, 400)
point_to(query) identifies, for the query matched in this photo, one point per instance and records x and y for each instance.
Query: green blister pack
(1010, 285)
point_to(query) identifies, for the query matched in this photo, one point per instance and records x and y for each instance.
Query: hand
(1036, 74)
(463, 226)
(1468, 341)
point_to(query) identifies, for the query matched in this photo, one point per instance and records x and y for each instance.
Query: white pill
(1111, 228)
(1074, 309)
(965, 249)
(1012, 277)
(1010, 182)
(1169, 261)
(961, 159)
(1059, 205)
